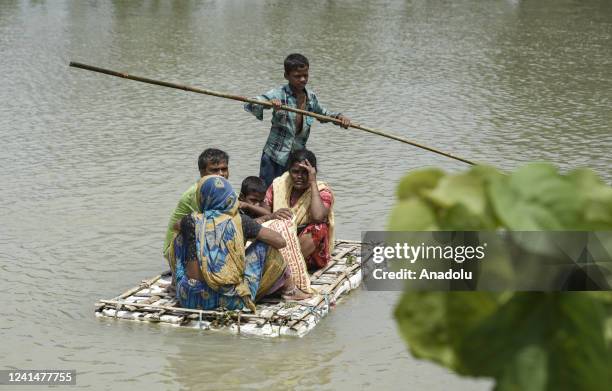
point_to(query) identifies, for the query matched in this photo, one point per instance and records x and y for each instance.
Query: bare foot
(296, 294)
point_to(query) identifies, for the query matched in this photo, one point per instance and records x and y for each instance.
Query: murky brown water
(91, 166)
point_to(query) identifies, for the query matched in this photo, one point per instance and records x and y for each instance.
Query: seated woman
(297, 194)
(212, 268)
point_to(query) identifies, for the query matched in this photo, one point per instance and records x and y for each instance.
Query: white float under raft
(151, 302)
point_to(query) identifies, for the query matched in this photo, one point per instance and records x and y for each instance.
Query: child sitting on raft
(252, 193)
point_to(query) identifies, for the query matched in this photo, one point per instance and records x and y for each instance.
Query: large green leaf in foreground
(539, 341)
(525, 341)
(435, 322)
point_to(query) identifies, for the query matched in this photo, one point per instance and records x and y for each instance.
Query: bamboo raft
(150, 302)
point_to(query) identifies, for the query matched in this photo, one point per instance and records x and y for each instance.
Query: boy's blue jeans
(269, 169)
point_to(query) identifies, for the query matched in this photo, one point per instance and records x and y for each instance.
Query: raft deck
(151, 302)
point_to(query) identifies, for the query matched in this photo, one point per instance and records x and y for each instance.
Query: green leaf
(460, 218)
(598, 199)
(526, 341)
(537, 197)
(583, 178)
(533, 341)
(463, 189)
(517, 211)
(487, 173)
(418, 181)
(530, 372)
(433, 323)
(561, 334)
(412, 215)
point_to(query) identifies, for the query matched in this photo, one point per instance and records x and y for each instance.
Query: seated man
(210, 162)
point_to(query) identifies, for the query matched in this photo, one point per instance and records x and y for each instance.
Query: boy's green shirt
(186, 205)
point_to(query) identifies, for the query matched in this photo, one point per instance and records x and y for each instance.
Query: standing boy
(289, 131)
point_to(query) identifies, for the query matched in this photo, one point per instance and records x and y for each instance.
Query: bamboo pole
(267, 104)
(143, 285)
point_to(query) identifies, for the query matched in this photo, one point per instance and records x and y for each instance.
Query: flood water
(92, 166)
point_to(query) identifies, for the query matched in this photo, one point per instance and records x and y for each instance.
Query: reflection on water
(92, 165)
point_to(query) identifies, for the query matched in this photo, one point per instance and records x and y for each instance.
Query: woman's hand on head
(312, 172)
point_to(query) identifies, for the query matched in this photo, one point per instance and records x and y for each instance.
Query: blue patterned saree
(231, 278)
